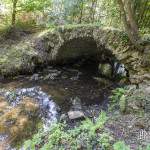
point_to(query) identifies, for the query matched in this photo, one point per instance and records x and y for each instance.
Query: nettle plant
(118, 100)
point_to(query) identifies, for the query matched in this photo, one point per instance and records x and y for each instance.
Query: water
(47, 107)
(53, 89)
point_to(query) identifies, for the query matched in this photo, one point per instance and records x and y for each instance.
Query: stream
(54, 89)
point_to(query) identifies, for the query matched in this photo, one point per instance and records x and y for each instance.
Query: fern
(58, 137)
(120, 145)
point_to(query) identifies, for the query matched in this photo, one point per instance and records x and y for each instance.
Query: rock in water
(119, 70)
(76, 104)
(76, 115)
(112, 71)
(63, 117)
(76, 109)
(105, 70)
(34, 77)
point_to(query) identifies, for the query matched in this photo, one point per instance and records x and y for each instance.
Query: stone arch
(74, 44)
(65, 36)
(113, 40)
(76, 48)
(103, 39)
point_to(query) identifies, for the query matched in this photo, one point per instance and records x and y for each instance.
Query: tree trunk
(81, 12)
(131, 18)
(14, 13)
(92, 11)
(129, 21)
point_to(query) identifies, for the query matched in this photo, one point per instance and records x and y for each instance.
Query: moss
(73, 26)
(12, 60)
(67, 27)
(49, 42)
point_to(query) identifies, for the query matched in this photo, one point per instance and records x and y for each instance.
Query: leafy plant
(118, 99)
(104, 140)
(36, 139)
(122, 103)
(59, 137)
(120, 145)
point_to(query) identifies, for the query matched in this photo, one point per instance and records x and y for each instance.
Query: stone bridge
(71, 42)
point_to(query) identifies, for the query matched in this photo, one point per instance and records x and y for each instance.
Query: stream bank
(72, 89)
(58, 90)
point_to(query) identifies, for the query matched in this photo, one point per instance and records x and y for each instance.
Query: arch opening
(85, 54)
(77, 48)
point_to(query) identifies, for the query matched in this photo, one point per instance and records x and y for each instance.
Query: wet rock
(76, 109)
(102, 81)
(1, 78)
(53, 74)
(34, 77)
(63, 117)
(75, 115)
(76, 103)
(105, 70)
(76, 77)
(119, 70)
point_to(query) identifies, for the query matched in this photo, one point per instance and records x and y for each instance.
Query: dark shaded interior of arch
(77, 48)
(83, 48)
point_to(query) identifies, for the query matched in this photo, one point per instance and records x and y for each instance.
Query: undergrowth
(118, 100)
(88, 135)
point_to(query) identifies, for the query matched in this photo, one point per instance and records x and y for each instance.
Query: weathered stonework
(49, 46)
